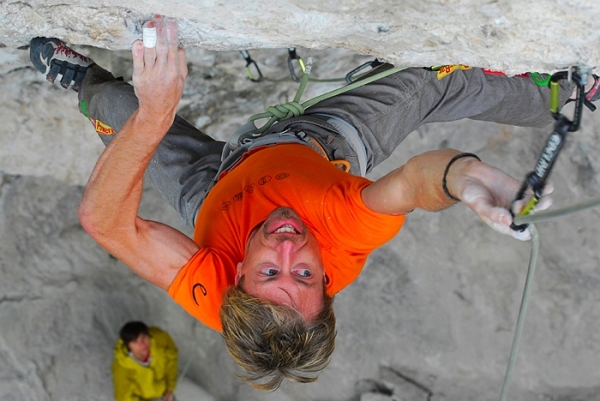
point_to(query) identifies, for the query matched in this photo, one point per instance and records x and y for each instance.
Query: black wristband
(455, 158)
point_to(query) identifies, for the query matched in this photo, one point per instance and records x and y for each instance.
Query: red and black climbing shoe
(594, 93)
(52, 57)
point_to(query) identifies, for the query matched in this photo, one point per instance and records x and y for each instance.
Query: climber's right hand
(159, 72)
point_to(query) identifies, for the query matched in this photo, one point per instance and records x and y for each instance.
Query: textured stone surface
(512, 36)
(434, 310)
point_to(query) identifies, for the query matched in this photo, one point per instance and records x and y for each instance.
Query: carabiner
(250, 62)
(372, 64)
(291, 57)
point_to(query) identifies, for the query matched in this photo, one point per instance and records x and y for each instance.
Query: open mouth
(286, 229)
(284, 221)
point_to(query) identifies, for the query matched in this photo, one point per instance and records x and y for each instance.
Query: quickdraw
(373, 64)
(290, 61)
(536, 180)
(349, 78)
(250, 63)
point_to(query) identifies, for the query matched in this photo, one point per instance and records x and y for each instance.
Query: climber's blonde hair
(272, 342)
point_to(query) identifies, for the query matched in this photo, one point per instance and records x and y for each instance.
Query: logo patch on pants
(99, 126)
(104, 129)
(445, 70)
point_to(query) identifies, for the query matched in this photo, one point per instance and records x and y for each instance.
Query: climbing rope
(535, 181)
(286, 110)
(554, 214)
(295, 108)
(535, 246)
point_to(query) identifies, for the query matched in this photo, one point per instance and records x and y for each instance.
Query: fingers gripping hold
(137, 52)
(149, 38)
(543, 203)
(149, 35)
(500, 220)
(172, 33)
(160, 43)
(159, 69)
(152, 32)
(489, 193)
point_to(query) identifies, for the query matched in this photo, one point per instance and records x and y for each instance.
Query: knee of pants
(108, 105)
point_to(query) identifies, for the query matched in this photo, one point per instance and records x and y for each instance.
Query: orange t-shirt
(327, 199)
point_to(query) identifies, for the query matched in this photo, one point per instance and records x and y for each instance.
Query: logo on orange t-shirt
(202, 288)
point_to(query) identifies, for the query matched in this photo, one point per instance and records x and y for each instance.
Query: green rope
(286, 110)
(294, 108)
(351, 86)
(535, 246)
(553, 214)
(320, 80)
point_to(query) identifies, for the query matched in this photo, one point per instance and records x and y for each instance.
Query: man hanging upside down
(289, 220)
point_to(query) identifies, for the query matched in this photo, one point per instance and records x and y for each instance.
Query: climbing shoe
(52, 57)
(594, 93)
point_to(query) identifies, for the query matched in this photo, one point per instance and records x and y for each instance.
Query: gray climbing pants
(383, 112)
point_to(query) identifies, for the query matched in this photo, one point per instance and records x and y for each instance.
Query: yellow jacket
(135, 382)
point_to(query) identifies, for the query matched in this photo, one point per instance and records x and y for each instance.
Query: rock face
(511, 36)
(431, 317)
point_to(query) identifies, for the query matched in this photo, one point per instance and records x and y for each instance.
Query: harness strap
(249, 136)
(232, 156)
(351, 136)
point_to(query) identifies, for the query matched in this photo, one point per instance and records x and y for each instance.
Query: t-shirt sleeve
(352, 232)
(200, 284)
(352, 224)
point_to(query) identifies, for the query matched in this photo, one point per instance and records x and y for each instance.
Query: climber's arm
(486, 190)
(417, 184)
(108, 211)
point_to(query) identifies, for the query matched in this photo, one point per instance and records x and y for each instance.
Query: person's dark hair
(272, 342)
(131, 331)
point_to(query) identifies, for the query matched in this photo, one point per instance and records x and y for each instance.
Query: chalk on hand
(149, 37)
